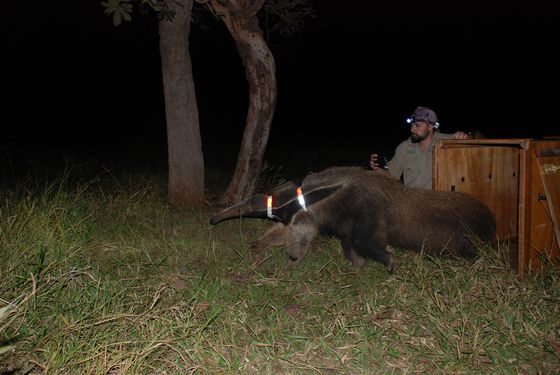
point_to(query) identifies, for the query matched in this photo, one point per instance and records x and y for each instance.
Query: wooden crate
(519, 179)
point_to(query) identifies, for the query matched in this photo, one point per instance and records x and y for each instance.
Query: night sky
(74, 83)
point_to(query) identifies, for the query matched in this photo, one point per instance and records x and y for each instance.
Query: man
(413, 157)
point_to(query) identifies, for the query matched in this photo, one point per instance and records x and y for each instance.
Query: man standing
(413, 157)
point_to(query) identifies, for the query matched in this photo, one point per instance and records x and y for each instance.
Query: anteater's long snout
(254, 206)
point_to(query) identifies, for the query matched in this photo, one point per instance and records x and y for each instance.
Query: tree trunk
(240, 17)
(184, 146)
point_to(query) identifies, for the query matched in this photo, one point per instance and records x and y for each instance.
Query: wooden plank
(549, 171)
(540, 232)
(524, 196)
(489, 173)
(521, 142)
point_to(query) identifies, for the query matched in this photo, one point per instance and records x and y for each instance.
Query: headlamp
(411, 120)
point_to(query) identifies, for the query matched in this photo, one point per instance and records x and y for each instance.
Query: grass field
(98, 275)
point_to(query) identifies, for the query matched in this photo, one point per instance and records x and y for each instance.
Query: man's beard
(415, 138)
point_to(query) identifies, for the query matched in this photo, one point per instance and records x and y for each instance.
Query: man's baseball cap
(423, 114)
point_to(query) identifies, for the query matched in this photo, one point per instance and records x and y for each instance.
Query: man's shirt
(413, 164)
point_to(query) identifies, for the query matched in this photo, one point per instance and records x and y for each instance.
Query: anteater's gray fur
(370, 212)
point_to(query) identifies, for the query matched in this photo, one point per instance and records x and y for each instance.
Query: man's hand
(378, 162)
(373, 162)
(461, 135)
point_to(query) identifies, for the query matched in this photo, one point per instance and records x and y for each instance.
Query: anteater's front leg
(357, 260)
(274, 236)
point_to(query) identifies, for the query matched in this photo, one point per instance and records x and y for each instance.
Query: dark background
(76, 85)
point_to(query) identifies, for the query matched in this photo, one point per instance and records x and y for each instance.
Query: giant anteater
(369, 212)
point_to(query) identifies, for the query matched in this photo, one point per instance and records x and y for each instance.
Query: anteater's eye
(293, 259)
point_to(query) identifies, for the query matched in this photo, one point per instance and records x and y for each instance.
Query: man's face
(419, 131)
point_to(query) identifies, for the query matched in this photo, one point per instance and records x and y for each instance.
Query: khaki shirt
(413, 164)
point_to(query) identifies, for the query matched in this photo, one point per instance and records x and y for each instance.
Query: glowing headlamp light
(411, 120)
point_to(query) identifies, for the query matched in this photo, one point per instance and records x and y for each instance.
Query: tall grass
(103, 277)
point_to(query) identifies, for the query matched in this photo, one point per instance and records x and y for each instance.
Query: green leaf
(126, 16)
(117, 18)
